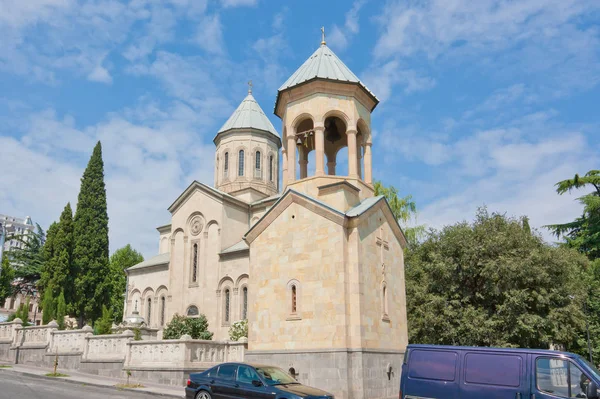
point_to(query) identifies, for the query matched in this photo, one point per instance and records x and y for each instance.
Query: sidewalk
(100, 381)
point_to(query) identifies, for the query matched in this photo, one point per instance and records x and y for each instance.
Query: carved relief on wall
(196, 225)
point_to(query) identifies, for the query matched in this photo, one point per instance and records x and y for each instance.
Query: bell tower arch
(326, 114)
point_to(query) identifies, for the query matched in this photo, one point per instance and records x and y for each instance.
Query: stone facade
(318, 270)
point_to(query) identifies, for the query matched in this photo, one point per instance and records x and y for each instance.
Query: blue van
(454, 372)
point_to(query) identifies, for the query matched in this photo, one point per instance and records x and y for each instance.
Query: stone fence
(163, 361)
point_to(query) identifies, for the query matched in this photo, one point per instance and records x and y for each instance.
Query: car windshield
(275, 376)
(592, 367)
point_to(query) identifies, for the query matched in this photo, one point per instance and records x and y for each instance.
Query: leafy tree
(21, 313)
(61, 311)
(494, 283)
(7, 275)
(120, 260)
(57, 273)
(584, 232)
(238, 330)
(90, 253)
(47, 256)
(104, 324)
(404, 210)
(28, 260)
(48, 307)
(196, 327)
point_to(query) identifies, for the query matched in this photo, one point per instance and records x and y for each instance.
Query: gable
(211, 192)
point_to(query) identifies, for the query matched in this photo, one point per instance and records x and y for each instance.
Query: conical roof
(323, 64)
(249, 115)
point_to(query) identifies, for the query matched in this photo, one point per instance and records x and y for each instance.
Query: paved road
(15, 386)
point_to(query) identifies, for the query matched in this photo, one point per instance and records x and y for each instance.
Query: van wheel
(203, 395)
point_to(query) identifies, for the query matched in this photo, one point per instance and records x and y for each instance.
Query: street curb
(25, 373)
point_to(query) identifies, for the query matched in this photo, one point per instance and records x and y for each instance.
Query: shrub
(196, 327)
(103, 325)
(238, 330)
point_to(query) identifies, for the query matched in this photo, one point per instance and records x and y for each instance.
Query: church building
(316, 266)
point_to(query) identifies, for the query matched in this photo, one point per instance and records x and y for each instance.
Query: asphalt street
(15, 386)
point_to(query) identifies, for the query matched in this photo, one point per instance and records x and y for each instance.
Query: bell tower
(326, 108)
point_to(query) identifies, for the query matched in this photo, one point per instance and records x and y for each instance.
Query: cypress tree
(47, 255)
(90, 253)
(61, 311)
(48, 307)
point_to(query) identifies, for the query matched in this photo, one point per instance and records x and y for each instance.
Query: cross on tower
(322, 35)
(384, 245)
(249, 87)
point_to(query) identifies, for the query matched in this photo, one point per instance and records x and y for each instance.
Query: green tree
(238, 330)
(404, 210)
(104, 324)
(47, 256)
(7, 275)
(48, 306)
(61, 311)
(584, 232)
(120, 260)
(494, 283)
(90, 253)
(196, 327)
(57, 273)
(28, 260)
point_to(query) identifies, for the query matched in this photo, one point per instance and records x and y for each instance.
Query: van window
(493, 369)
(432, 365)
(552, 376)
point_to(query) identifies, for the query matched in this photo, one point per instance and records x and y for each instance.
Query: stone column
(331, 168)
(291, 155)
(352, 156)
(284, 169)
(359, 159)
(368, 164)
(320, 150)
(303, 168)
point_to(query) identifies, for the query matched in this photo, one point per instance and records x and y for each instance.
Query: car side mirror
(256, 383)
(592, 390)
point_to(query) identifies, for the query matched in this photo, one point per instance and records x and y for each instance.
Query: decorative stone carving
(196, 225)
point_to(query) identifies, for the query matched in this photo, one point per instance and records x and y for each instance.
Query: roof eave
(242, 129)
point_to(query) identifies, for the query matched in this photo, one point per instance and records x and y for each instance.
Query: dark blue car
(453, 372)
(248, 381)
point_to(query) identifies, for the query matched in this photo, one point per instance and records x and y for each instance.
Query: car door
(245, 389)
(557, 377)
(223, 386)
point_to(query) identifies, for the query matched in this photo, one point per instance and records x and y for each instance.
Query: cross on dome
(323, 36)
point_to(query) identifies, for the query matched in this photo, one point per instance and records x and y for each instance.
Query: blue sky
(487, 102)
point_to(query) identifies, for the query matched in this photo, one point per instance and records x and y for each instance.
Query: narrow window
(258, 160)
(245, 303)
(271, 168)
(294, 302)
(241, 163)
(195, 263)
(162, 311)
(385, 300)
(226, 165)
(149, 311)
(227, 305)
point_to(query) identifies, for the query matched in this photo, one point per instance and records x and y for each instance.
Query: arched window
(257, 166)
(294, 299)
(241, 163)
(245, 303)
(162, 310)
(195, 263)
(271, 168)
(226, 165)
(149, 311)
(192, 311)
(257, 160)
(227, 305)
(384, 302)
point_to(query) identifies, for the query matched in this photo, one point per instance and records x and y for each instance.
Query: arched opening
(226, 165)
(195, 263)
(335, 141)
(192, 311)
(294, 299)
(341, 159)
(257, 165)
(241, 163)
(163, 305)
(245, 303)
(227, 312)
(305, 144)
(271, 168)
(384, 298)
(149, 312)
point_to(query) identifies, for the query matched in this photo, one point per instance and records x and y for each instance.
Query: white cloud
(239, 3)
(382, 79)
(100, 74)
(210, 35)
(340, 37)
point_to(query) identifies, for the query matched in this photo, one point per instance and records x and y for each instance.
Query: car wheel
(203, 395)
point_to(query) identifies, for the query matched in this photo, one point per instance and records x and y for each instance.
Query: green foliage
(120, 260)
(7, 275)
(137, 334)
(48, 306)
(196, 327)
(238, 330)
(494, 283)
(104, 324)
(28, 260)
(404, 210)
(61, 311)
(22, 313)
(584, 232)
(90, 252)
(57, 272)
